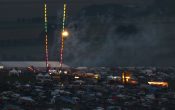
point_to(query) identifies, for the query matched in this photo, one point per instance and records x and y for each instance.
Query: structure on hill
(25, 64)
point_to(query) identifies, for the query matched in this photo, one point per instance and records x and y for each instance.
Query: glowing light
(127, 78)
(65, 33)
(163, 84)
(76, 77)
(60, 71)
(45, 17)
(123, 77)
(115, 77)
(46, 37)
(96, 76)
(65, 72)
(64, 16)
(133, 82)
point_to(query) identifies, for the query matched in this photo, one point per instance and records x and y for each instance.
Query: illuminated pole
(63, 34)
(46, 36)
(123, 77)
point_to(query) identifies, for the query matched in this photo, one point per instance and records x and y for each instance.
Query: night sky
(102, 32)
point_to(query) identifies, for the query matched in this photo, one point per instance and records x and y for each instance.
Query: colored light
(46, 37)
(96, 76)
(123, 77)
(65, 34)
(163, 84)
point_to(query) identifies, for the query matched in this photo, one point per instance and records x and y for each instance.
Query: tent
(14, 72)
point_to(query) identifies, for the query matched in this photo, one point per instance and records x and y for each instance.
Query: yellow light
(127, 77)
(96, 76)
(164, 84)
(65, 34)
(123, 77)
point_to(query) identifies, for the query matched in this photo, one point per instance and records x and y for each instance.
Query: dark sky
(102, 32)
(26, 8)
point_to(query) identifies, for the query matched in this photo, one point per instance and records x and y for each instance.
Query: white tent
(14, 72)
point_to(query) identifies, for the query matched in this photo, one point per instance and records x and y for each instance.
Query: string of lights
(46, 36)
(64, 34)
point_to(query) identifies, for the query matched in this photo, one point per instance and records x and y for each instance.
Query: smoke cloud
(107, 40)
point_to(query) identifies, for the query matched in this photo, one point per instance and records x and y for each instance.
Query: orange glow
(123, 77)
(65, 33)
(127, 78)
(163, 84)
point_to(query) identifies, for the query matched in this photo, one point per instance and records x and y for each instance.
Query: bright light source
(65, 33)
(60, 71)
(77, 77)
(163, 84)
(96, 76)
(65, 72)
(115, 77)
(127, 78)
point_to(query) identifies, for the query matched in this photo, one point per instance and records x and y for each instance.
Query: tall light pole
(46, 35)
(64, 34)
